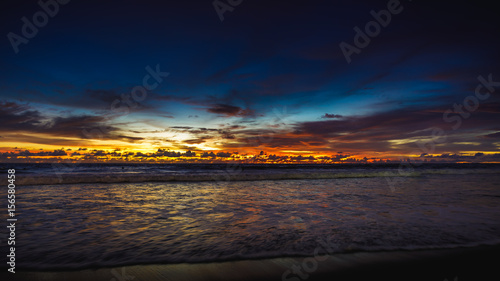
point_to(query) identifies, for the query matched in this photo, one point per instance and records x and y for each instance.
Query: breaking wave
(222, 176)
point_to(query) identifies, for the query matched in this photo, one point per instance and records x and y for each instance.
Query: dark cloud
(168, 153)
(57, 152)
(220, 154)
(99, 153)
(337, 157)
(236, 127)
(229, 110)
(494, 135)
(17, 117)
(27, 154)
(161, 153)
(331, 116)
(202, 134)
(302, 158)
(393, 124)
(478, 157)
(197, 140)
(129, 138)
(21, 118)
(224, 154)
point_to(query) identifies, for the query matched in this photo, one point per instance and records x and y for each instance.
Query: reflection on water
(111, 224)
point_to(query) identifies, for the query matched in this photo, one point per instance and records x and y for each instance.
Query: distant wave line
(223, 176)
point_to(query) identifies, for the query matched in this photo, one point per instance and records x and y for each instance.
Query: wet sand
(478, 263)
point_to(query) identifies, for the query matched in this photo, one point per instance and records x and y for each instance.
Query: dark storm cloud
(72, 126)
(17, 117)
(21, 118)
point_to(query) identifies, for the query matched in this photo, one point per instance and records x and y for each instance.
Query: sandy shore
(479, 263)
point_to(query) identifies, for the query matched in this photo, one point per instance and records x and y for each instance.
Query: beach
(476, 263)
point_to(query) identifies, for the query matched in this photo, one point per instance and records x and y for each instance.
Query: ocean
(95, 215)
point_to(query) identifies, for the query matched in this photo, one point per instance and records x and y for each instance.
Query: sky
(257, 81)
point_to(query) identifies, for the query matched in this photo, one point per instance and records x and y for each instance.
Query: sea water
(109, 215)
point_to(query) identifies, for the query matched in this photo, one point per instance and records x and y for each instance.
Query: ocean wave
(222, 176)
(117, 259)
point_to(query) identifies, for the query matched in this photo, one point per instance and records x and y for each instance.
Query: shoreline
(474, 263)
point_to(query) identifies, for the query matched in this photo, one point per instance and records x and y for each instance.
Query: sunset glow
(293, 98)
